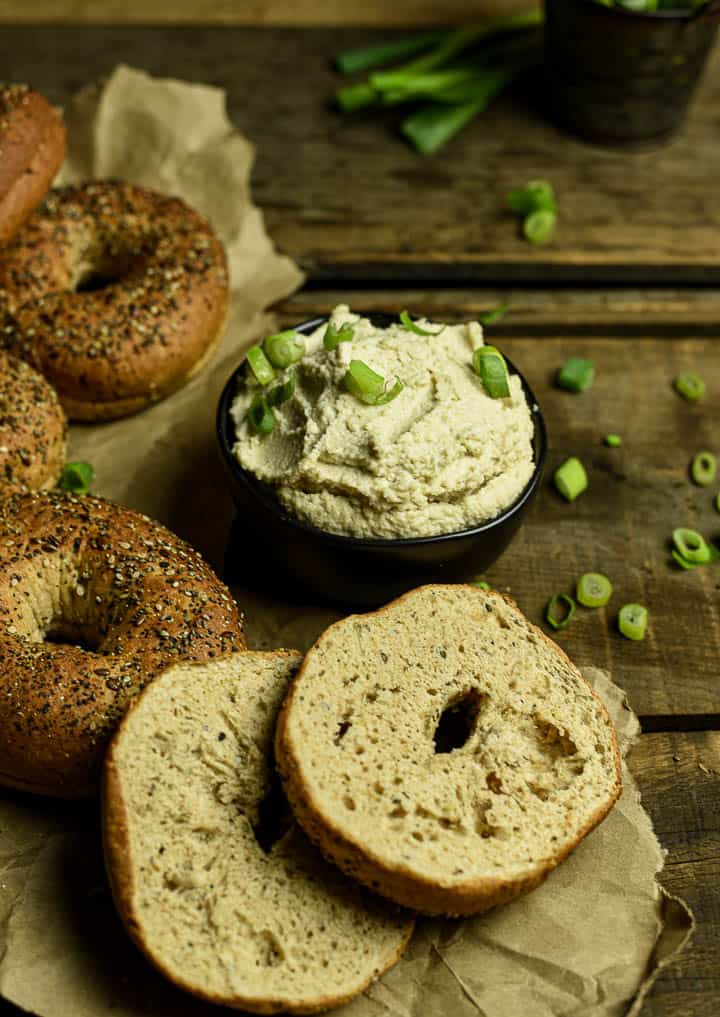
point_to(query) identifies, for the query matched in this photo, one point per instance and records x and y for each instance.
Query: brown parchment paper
(586, 944)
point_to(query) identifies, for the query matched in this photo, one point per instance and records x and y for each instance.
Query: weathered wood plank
(347, 198)
(679, 776)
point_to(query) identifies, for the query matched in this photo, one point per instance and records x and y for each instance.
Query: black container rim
(225, 438)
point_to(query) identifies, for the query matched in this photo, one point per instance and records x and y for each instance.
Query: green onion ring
(691, 545)
(703, 468)
(613, 440)
(537, 195)
(489, 364)
(559, 623)
(576, 374)
(260, 365)
(407, 322)
(632, 621)
(334, 336)
(682, 562)
(493, 316)
(593, 590)
(76, 477)
(690, 386)
(261, 418)
(538, 227)
(284, 348)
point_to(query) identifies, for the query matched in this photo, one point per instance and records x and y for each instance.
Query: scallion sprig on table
(451, 73)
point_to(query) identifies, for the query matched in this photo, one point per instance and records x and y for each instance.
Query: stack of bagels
(272, 825)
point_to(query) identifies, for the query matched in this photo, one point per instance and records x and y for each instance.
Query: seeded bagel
(116, 294)
(95, 600)
(32, 148)
(444, 751)
(211, 877)
(32, 429)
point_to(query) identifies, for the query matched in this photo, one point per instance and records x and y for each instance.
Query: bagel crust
(32, 148)
(95, 600)
(32, 429)
(116, 294)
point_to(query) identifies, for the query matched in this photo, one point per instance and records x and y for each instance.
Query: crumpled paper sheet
(585, 944)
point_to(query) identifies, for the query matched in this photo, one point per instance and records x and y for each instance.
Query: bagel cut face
(95, 600)
(116, 294)
(444, 751)
(212, 878)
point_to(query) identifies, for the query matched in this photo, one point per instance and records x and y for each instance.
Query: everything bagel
(32, 148)
(95, 600)
(116, 294)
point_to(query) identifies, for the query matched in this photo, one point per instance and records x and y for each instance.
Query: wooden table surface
(630, 281)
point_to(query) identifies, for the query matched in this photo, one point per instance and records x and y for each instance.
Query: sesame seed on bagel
(117, 294)
(32, 148)
(95, 600)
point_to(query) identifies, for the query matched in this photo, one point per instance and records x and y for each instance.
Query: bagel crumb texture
(95, 600)
(213, 879)
(115, 293)
(444, 751)
(32, 429)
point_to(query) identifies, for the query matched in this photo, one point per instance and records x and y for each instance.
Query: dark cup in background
(623, 77)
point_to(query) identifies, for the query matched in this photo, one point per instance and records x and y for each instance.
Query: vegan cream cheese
(433, 454)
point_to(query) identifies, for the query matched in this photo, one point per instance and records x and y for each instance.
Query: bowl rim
(678, 15)
(225, 435)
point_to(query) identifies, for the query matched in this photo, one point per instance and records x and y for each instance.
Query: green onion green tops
(593, 589)
(76, 477)
(367, 58)
(260, 366)
(632, 621)
(571, 479)
(282, 392)
(703, 468)
(559, 611)
(334, 336)
(260, 417)
(690, 386)
(368, 386)
(284, 349)
(412, 326)
(613, 440)
(491, 317)
(489, 365)
(576, 374)
(539, 227)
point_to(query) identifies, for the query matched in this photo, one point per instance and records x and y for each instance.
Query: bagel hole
(458, 720)
(274, 818)
(103, 271)
(63, 633)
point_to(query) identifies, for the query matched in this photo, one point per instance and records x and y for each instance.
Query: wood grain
(679, 776)
(254, 12)
(349, 200)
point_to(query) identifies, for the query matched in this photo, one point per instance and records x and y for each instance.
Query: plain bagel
(95, 600)
(116, 294)
(32, 148)
(32, 429)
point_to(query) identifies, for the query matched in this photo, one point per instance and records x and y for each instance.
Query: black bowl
(271, 550)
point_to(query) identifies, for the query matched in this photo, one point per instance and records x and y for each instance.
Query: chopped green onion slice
(281, 393)
(489, 364)
(368, 386)
(334, 336)
(594, 589)
(632, 621)
(538, 227)
(551, 617)
(260, 417)
(682, 562)
(571, 479)
(76, 477)
(576, 374)
(481, 584)
(260, 365)
(536, 196)
(412, 326)
(613, 440)
(691, 545)
(491, 317)
(703, 468)
(284, 348)
(690, 386)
